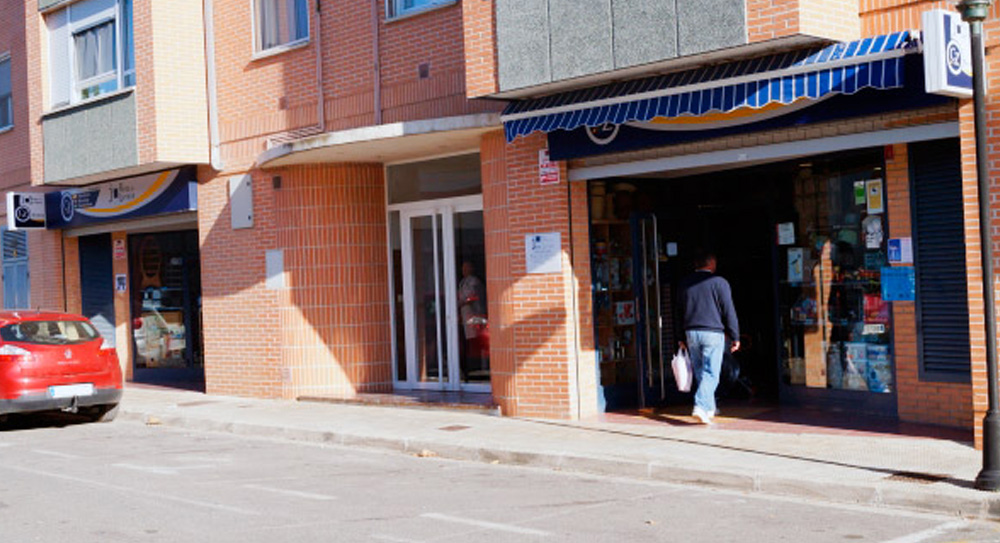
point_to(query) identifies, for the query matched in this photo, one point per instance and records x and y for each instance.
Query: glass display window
(836, 329)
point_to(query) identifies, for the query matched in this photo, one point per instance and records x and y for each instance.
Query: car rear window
(49, 332)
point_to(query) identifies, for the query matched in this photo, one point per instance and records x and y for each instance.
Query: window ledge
(6, 129)
(88, 101)
(419, 11)
(279, 49)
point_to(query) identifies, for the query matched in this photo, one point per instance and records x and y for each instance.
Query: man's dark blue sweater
(707, 304)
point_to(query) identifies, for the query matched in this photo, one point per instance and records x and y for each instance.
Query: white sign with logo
(947, 54)
(25, 210)
(543, 252)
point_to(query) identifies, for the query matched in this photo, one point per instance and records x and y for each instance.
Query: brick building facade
(336, 207)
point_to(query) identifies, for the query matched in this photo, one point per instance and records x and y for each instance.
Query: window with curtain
(95, 55)
(400, 8)
(91, 50)
(280, 23)
(6, 101)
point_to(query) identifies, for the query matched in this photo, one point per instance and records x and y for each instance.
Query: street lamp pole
(975, 12)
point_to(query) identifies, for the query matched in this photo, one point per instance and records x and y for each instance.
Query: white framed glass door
(444, 310)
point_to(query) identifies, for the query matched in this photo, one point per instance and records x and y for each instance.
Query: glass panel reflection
(473, 310)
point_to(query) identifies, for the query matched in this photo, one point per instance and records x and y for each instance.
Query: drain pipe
(215, 153)
(376, 65)
(321, 102)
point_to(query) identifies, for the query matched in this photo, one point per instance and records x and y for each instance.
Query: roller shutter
(939, 257)
(97, 283)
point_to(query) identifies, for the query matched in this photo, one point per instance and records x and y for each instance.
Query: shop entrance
(791, 240)
(638, 262)
(442, 310)
(165, 305)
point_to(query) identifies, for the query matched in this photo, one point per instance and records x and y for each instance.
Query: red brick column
(479, 28)
(123, 309)
(45, 268)
(331, 224)
(587, 373)
(240, 321)
(948, 404)
(327, 331)
(538, 369)
(499, 282)
(970, 190)
(71, 271)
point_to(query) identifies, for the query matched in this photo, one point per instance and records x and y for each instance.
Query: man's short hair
(702, 257)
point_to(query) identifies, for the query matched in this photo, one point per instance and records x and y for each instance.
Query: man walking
(708, 316)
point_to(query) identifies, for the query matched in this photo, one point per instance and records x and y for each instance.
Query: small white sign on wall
(543, 252)
(274, 263)
(241, 201)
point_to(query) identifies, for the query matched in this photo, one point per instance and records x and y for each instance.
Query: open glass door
(646, 285)
(424, 294)
(444, 311)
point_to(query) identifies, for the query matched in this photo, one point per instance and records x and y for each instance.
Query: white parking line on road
(161, 470)
(924, 535)
(487, 525)
(150, 495)
(57, 454)
(393, 539)
(293, 493)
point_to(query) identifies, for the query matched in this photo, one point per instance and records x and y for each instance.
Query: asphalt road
(64, 481)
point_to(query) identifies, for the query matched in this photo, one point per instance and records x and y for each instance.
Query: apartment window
(279, 23)
(90, 50)
(401, 8)
(6, 102)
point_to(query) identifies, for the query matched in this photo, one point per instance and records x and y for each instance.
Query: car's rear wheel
(103, 413)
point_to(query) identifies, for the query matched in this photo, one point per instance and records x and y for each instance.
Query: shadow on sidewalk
(757, 417)
(786, 421)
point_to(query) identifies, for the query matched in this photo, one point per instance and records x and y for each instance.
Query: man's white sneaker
(702, 415)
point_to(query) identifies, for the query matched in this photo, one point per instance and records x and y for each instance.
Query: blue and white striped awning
(843, 68)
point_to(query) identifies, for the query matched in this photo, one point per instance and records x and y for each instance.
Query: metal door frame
(442, 213)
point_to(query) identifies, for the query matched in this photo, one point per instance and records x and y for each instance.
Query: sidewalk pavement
(880, 470)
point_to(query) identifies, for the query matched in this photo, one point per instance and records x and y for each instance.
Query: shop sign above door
(157, 193)
(947, 54)
(25, 210)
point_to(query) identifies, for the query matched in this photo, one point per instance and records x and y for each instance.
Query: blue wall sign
(899, 284)
(170, 191)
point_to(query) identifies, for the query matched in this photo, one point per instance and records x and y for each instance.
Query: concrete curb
(886, 494)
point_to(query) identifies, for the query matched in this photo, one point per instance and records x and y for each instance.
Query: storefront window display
(836, 328)
(166, 300)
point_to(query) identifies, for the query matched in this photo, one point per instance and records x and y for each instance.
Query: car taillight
(10, 352)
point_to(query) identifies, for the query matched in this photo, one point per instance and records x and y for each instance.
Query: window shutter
(939, 257)
(15, 244)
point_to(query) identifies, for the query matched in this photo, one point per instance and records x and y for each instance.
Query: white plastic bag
(683, 373)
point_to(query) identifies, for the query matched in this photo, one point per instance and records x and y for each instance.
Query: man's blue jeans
(706, 349)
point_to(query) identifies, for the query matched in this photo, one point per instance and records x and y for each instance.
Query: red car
(56, 361)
